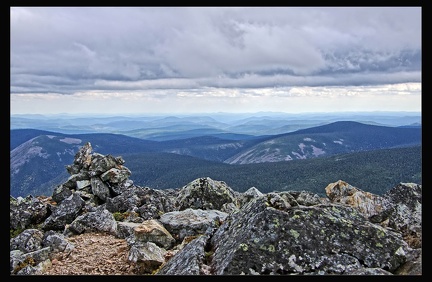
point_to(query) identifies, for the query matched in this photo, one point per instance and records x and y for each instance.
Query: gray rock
(57, 242)
(321, 239)
(99, 188)
(151, 231)
(191, 222)
(60, 193)
(205, 193)
(65, 213)
(27, 211)
(29, 240)
(100, 220)
(190, 260)
(147, 256)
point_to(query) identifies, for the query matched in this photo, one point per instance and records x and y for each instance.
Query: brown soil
(94, 254)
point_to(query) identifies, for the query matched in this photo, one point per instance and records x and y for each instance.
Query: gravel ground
(94, 254)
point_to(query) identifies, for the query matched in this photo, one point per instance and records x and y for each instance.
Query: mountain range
(38, 156)
(223, 125)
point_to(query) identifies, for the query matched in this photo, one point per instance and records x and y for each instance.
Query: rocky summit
(207, 228)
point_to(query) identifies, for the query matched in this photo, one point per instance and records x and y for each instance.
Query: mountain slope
(326, 140)
(19, 136)
(39, 160)
(36, 164)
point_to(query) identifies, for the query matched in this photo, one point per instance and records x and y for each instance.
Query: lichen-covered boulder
(403, 212)
(206, 194)
(100, 220)
(26, 211)
(319, 239)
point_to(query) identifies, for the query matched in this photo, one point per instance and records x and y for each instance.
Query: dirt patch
(94, 254)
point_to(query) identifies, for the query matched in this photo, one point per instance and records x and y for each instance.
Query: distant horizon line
(213, 113)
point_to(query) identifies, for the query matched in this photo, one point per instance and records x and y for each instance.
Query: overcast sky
(195, 59)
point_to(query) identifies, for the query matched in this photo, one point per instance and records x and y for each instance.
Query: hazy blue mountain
(162, 127)
(173, 132)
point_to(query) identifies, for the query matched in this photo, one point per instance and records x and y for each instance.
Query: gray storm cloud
(72, 49)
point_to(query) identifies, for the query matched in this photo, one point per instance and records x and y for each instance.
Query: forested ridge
(373, 171)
